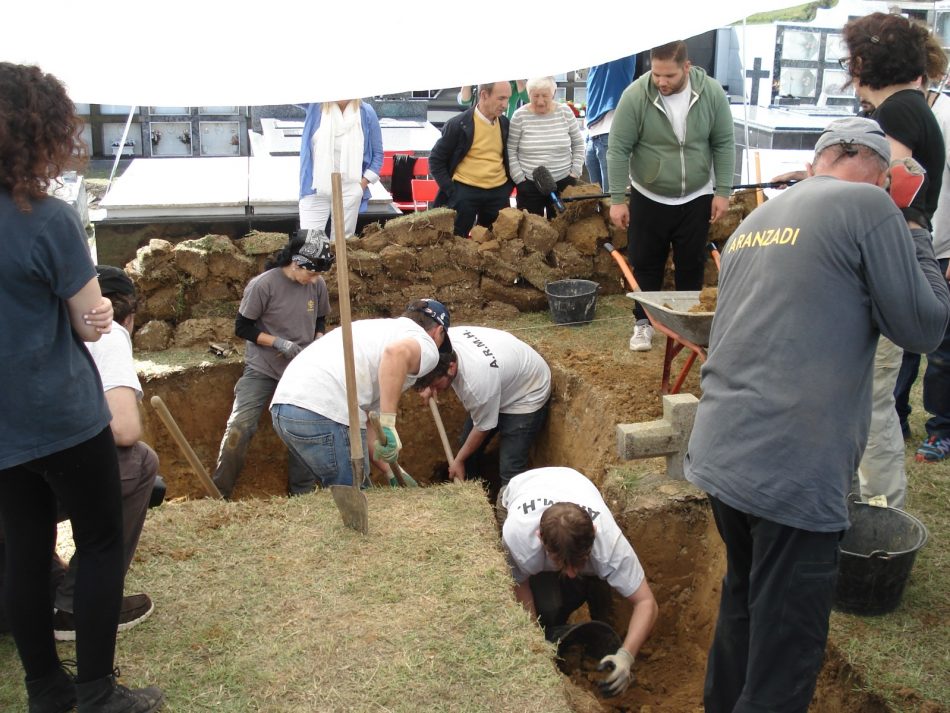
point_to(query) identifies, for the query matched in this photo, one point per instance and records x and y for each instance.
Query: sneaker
(135, 609)
(642, 339)
(934, 449)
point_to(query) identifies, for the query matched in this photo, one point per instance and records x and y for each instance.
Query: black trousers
(773, 616)
(473, 204)
(654, 228)
(529, 198)
(85, 479)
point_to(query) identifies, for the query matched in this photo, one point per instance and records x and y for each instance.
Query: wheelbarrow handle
(622, 264)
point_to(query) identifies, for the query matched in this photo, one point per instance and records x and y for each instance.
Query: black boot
(54, 693)
(104, 695)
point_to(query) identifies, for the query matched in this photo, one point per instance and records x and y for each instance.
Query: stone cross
(666, 437)
(755, 74)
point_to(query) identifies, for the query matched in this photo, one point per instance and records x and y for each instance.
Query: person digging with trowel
(309, 409)
(560, 539)
(504, 386)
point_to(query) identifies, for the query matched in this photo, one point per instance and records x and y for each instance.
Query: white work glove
(287, 348)
(620, 664)
(390, 451)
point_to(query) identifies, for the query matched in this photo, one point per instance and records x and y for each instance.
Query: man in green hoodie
(672, 141)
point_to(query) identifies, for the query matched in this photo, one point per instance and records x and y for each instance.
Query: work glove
(410, 482)
(287, 348)
(620, 664)
(390, 451)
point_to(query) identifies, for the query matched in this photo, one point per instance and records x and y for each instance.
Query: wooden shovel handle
(434, 408)
(346, 324)
(163, 413)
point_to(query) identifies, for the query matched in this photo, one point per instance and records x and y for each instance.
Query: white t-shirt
(497, 373)
(602, 126)
(113, 357)
(528, 495)
(316, 380)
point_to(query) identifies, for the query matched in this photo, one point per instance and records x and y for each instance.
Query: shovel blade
(351, 502)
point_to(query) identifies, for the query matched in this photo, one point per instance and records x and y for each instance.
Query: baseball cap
(437, 311)
(114, 280)
(855, 130)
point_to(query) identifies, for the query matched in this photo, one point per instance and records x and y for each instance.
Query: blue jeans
(596, 160)
(252, 393)
(322, 445)
(936, 383)
(518, 433)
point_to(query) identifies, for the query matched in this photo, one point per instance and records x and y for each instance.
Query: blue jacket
(605, 84)
(372, 146)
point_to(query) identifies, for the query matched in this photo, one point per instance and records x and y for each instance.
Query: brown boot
(104, 695)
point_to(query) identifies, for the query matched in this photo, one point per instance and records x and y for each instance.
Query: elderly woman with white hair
(543, 133)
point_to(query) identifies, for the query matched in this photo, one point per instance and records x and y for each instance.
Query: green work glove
(410, 483)
(390, 451)
(620, 665)
(287, 348)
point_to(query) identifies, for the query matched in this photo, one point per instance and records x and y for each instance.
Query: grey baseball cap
(852, 131)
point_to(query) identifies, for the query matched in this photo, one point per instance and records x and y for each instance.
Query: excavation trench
(668, 522)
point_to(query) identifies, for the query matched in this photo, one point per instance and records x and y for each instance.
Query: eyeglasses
(844, 63)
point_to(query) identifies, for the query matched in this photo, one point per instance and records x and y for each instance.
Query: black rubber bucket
(877, 555)
(572, 301)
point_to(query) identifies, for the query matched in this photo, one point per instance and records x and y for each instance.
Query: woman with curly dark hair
(55, 440)
(887, 58)
(888, 55)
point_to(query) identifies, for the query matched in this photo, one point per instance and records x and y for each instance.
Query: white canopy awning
(209, 53)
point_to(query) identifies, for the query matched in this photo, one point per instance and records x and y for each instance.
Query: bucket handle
(879, 555)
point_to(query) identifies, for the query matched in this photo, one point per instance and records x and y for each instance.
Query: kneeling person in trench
(559, 537)
(283, 310)
(309, 409)
(505, 386)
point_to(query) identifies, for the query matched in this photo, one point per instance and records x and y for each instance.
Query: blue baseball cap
(437, 311)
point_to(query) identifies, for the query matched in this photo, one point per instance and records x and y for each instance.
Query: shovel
(210, 488)
(349, 499)
(437, 417)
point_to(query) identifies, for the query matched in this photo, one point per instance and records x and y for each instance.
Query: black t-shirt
(906, 117)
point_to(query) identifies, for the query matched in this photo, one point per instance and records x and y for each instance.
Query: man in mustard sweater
(671, 140)
(470, 160)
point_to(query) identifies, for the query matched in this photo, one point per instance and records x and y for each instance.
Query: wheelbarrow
(669, 313)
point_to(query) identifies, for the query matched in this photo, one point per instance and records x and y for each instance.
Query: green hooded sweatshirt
(643, 144)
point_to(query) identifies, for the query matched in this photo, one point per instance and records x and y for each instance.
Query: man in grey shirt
(809, 280)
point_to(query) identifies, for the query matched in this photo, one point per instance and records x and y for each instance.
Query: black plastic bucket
(877, 555)
(572, 301)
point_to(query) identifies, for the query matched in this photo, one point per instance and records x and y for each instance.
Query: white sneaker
(642, 338)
